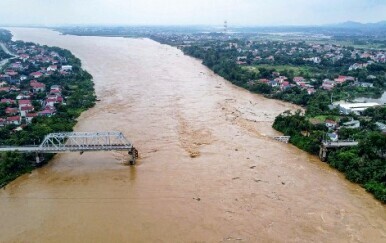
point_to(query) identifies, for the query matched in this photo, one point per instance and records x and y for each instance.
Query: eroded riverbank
(240, 185)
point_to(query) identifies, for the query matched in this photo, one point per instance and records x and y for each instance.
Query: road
(5, 61)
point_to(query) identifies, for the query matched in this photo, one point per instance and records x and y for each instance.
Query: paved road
(5, 49)
(5, 61)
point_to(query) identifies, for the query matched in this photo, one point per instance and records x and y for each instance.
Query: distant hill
(358, 25)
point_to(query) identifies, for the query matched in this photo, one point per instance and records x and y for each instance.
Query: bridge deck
(339, 144)
(64, 149)
(76, 142)
(284, 139)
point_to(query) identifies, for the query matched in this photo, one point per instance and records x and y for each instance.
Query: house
(18, 129)
(52, 68)
(266, 81)
(66, 68)
(5, 89)
(26, 109)
(333, 137)
(24, 57)
(14, 120)
(341, 79)
(7, 101)
(16, 66)
(11, 111)
(315, 60)
(24, 103)
(11, 73)
(331, 124)
(365, 85)
(281, 79)
(5, 77)
(285, 85)
(381, 126)
(275, 74)
(30, 116)
(22, 78)
(55, 90)
(3, 122)
(299, 79)
(23, 97)
(241, 63)
(311, 91)
(352, 124)
(328, 84)
(48, 111)
(36, 74)
(356, 66)
(14, 88)
(3, 83)
(37, 86)
(273, 83)
(355, 107)
(53, 99)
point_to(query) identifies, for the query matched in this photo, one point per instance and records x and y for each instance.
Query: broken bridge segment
(283, 139)
(328, 145)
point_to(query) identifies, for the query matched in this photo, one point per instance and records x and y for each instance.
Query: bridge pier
(323, 153)
(133, 156)
(39, 158)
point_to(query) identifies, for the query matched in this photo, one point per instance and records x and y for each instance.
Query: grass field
(280, 68)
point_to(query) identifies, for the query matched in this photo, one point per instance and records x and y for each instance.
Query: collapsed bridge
(78, 142)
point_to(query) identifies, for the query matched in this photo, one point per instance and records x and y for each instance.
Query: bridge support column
(133, 156)
(323, 153)
(39, 158)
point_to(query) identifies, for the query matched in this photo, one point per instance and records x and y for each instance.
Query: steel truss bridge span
(79, 142)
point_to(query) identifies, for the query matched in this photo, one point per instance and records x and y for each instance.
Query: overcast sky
(189, 12)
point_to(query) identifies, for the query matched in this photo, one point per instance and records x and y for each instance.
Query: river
(209, 170)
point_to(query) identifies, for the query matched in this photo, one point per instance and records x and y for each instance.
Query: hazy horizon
(188, 13)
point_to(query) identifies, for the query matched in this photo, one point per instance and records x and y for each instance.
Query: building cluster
(309, 53)
(23, 93)
(283, 83)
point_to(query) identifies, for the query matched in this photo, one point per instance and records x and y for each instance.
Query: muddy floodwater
(209, 170)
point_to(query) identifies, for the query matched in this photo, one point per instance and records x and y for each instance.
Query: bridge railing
(85, 140)
(340, 143)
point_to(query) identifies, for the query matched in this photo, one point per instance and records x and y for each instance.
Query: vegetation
(5, 35)
(364, 164)
(3, 55)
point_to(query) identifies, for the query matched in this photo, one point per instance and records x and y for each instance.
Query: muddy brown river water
(209, 170)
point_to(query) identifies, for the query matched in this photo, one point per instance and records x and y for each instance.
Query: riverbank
(242, 185)
(53, 114)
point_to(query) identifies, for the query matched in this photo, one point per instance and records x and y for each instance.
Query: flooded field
(209, 170)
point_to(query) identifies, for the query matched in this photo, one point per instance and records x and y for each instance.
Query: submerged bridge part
(283, 139)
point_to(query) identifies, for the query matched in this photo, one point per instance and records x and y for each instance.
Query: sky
(189, 12)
